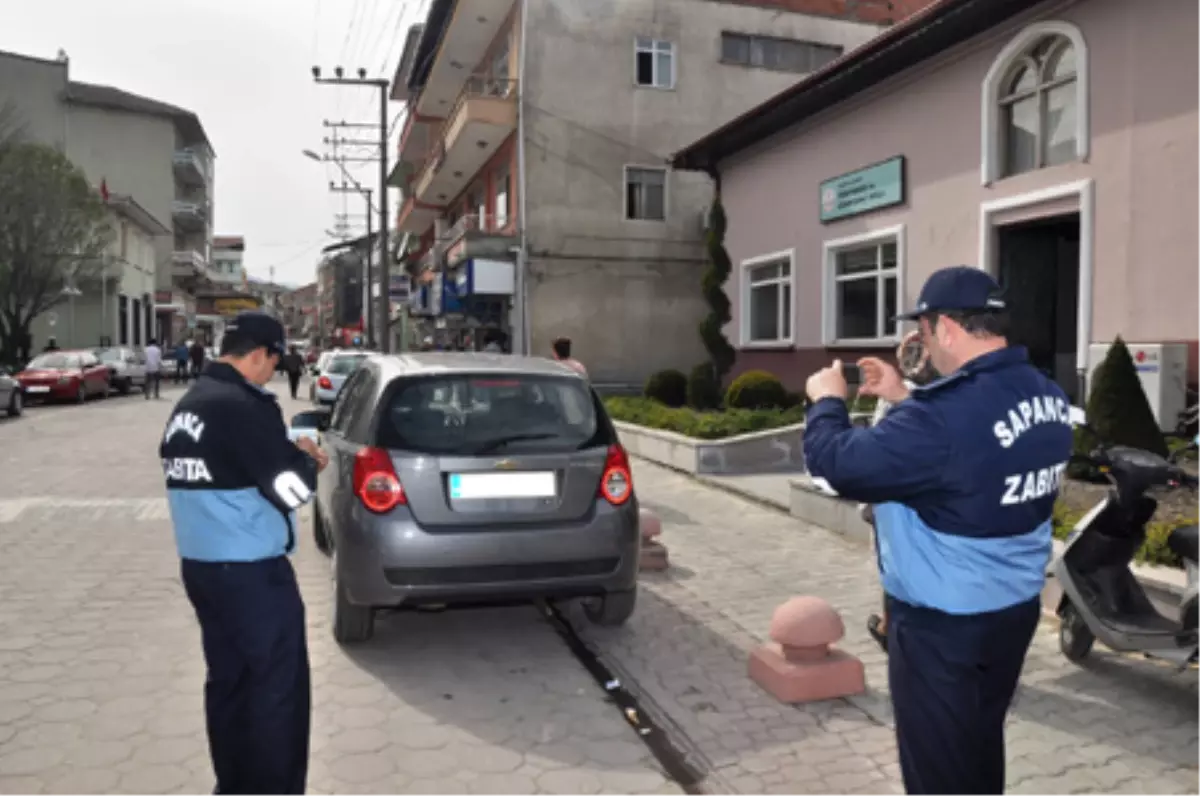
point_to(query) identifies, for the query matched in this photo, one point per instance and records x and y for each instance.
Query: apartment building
(534, 160)
(228, 254)
(157, 159)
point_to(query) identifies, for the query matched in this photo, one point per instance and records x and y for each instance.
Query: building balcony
(482, 119)
(416, 217)
(475, 237)
(189, 266)
(191, 167)
(189, 215)
(469, 33)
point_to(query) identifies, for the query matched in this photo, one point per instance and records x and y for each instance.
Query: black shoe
(880, 635)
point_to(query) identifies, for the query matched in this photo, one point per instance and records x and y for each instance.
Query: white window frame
(625, 194)
(829, 280)
(990, 116)
(745, 267)
(657, 47)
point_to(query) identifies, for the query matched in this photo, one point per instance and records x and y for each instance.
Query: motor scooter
(1101, 597)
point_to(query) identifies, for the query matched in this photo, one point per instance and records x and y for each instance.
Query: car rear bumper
(388, 561)
(50, 392)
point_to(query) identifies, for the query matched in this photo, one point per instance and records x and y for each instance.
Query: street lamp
(382, 86)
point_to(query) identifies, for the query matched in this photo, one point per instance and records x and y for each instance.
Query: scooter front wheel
(1075, 639)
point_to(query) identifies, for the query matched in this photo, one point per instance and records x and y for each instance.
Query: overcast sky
(244, 66)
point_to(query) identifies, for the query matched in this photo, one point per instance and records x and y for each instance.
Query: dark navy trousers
(257, 697)
(952, 680)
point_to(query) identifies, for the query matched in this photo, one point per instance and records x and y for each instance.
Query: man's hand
(881, 380)
(309, 446)
(828, 382)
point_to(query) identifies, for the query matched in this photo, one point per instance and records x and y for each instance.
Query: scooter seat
(1183, 542)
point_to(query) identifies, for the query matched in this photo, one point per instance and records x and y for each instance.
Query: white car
(333, 374)
(126, 367)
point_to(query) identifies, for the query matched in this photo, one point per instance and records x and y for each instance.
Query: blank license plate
(37, 389)
(481, 486)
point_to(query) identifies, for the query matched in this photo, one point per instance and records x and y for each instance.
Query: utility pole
(381, 85)
(369, 324)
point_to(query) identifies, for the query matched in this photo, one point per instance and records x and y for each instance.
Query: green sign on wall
(871, 188)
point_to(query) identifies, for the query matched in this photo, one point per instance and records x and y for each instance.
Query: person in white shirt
(153, 356)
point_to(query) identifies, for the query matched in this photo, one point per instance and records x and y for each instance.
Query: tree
(1117, 408)
(53, 233)
(720, 353)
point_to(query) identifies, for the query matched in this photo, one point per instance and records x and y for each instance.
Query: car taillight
(376, 482)
(616, 485)
(324, 383)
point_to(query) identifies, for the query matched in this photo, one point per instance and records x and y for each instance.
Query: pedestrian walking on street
(964, 473)
(562, 352)
(197, 353)
(234, 482)
(181, 363)
(153, 355)
(293, 366)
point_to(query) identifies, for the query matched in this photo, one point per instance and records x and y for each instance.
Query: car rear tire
(320, 533)
(352, 624)
(16, 403)
(81, 393)
(612, 609)
(124, 386)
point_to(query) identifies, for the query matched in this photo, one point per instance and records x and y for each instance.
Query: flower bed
(700, 425)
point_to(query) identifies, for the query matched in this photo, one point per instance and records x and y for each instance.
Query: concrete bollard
(654, 553)
(800, 664)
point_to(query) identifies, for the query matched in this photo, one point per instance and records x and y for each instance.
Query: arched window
(1035, 106)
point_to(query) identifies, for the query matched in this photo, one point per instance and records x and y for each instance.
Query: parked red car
(64, 375)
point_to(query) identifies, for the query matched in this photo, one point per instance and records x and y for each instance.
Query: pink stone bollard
(653, 557)
(801, 665)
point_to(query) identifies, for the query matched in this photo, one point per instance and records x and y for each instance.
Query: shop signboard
(232, 306)
(873, 187)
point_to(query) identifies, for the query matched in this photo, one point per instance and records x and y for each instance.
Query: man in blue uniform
(234, 482)
(965, 471)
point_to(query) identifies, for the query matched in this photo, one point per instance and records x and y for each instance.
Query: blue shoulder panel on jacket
(925, 390)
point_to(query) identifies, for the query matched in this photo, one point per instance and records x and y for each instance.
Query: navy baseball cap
(959, 288)
(257, 328)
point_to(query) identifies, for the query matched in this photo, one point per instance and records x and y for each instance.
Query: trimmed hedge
(756, 389)
(1154, 551)
(700, 425)
(703, 387)
(667, 387)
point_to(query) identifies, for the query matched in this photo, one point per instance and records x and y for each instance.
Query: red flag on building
(104, 190)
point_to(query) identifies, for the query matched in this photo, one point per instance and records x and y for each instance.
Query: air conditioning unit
(1162, 369)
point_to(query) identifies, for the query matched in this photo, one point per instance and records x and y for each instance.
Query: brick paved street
(101, 671)
(1118, 725)
(101, 674)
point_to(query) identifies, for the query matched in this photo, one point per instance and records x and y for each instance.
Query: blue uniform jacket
(234, 479)
(965, 472)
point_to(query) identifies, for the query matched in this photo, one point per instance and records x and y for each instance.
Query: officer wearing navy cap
(964, 471)
(234, 482)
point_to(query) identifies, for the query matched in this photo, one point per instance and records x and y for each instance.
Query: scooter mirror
(1077, 416)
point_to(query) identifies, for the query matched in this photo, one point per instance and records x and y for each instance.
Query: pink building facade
(1055, 147)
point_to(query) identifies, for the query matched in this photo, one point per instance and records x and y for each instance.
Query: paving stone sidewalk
(1116, 725)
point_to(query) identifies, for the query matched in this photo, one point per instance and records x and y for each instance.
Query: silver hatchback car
(472, 478)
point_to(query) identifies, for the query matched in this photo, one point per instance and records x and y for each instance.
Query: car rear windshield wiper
(500, 442)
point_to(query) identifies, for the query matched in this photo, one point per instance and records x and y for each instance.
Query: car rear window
(481, 415)
(342, 366)
(53, 361)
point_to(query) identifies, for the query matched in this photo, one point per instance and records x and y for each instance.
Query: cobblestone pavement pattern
(1114, 725)
(101, 671)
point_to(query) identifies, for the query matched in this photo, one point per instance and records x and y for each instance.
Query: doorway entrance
(1038, 267)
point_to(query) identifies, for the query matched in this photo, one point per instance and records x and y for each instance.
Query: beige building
(155, 154)
(533, 162)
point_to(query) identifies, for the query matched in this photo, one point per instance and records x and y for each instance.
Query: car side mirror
(316, 419)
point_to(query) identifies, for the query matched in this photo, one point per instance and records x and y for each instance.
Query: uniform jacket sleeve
(905, 455)
(285, 475)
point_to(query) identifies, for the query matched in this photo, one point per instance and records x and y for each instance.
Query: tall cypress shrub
(720, 353)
